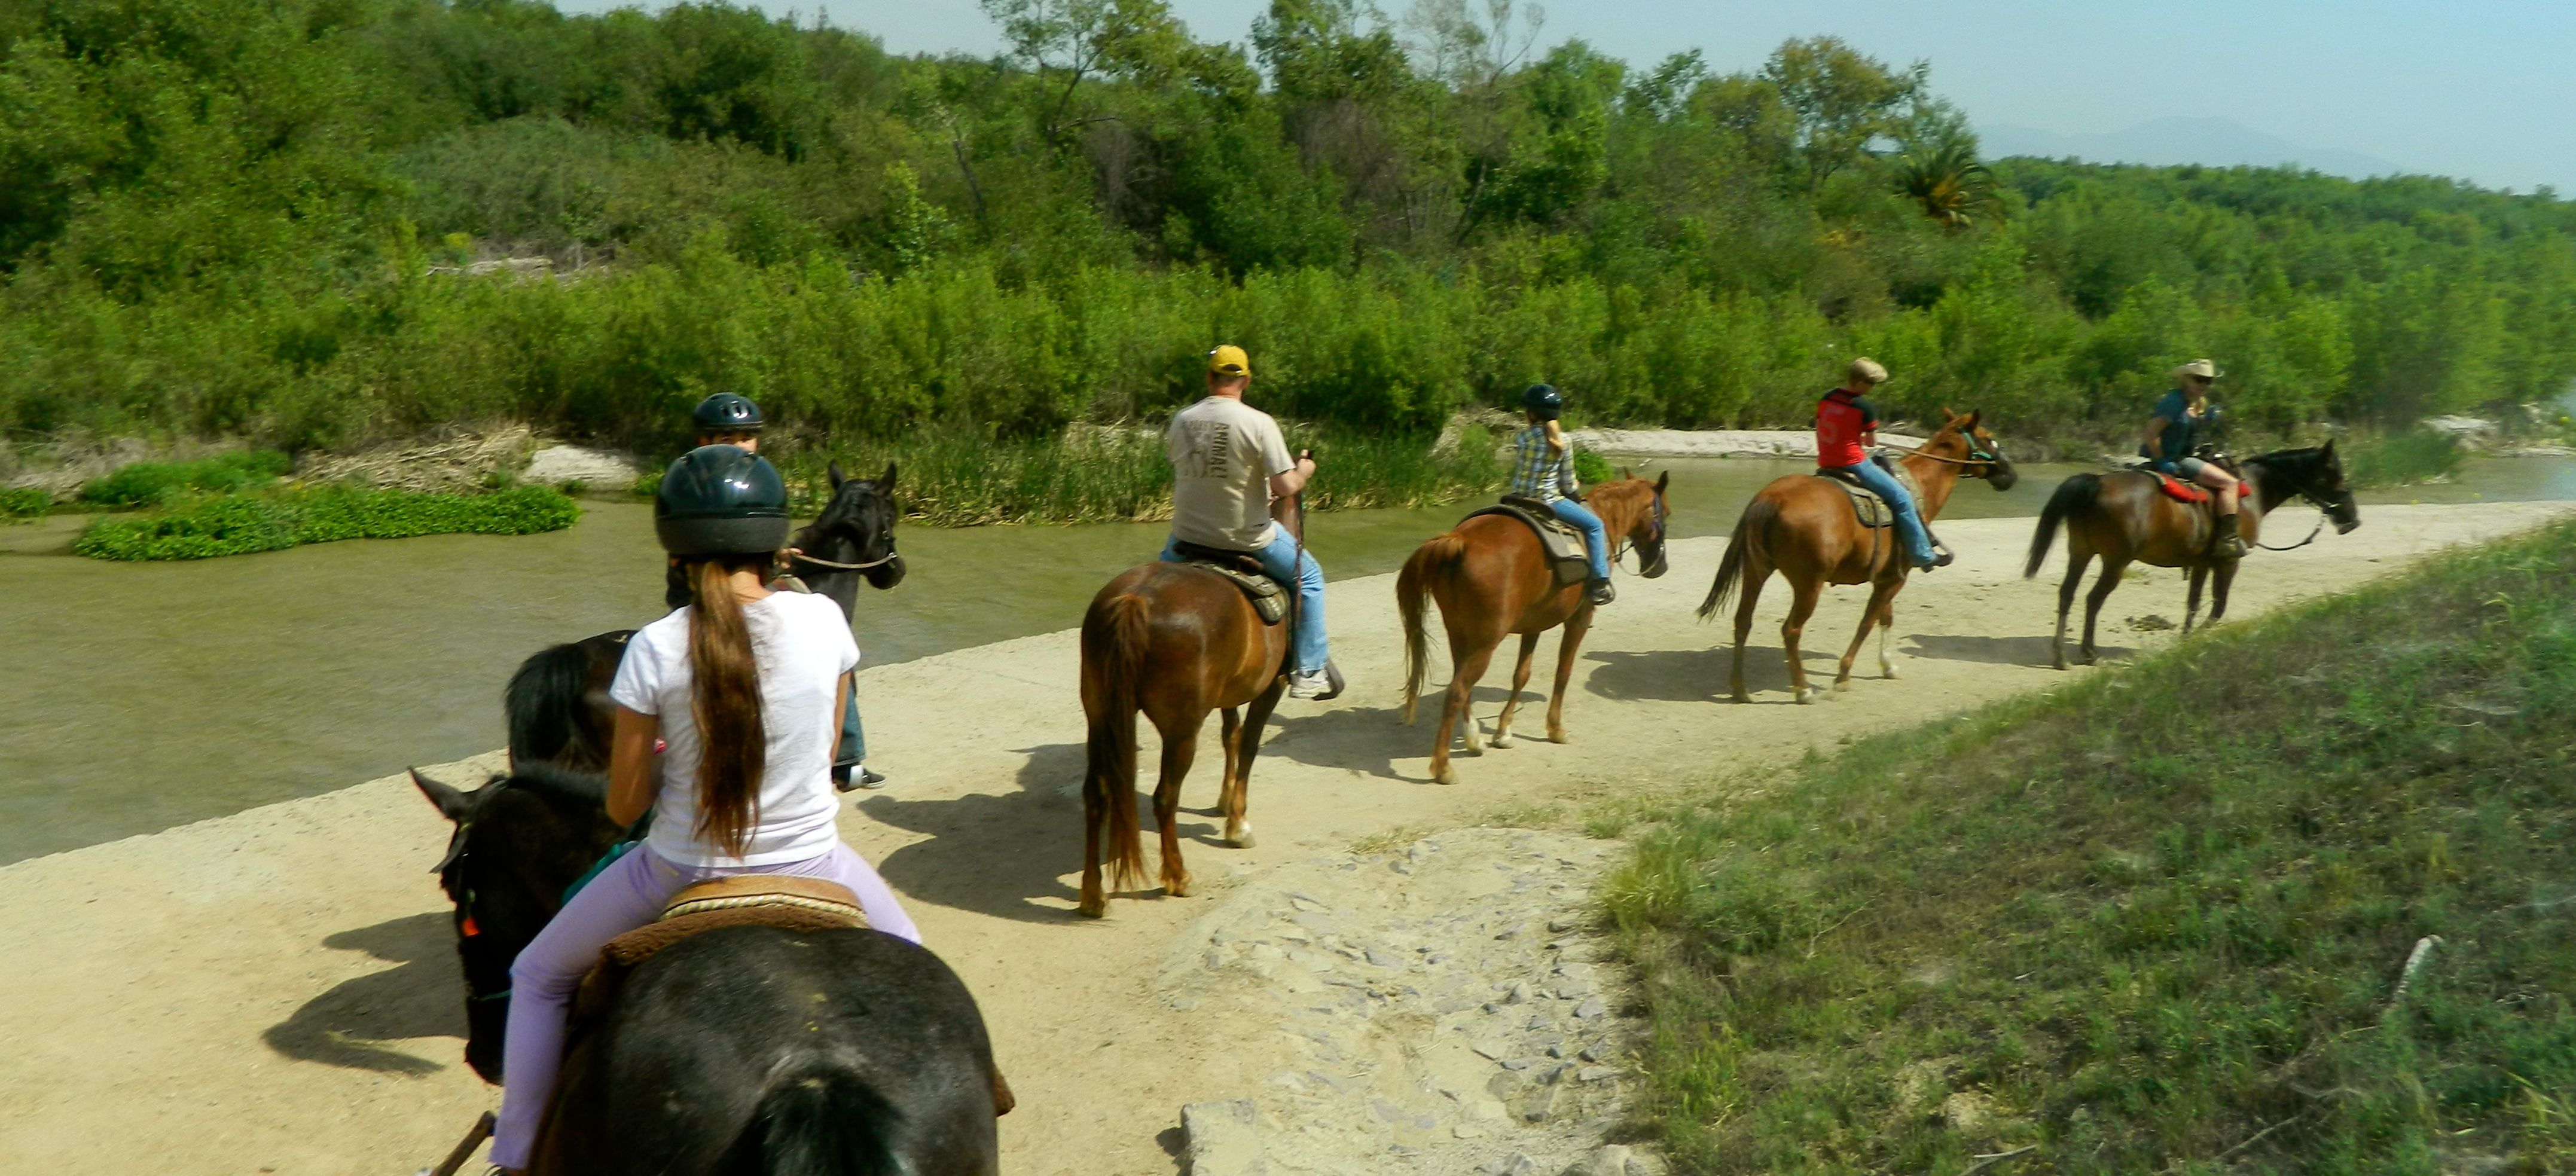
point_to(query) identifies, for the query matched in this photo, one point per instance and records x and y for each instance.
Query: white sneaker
(1312, 684)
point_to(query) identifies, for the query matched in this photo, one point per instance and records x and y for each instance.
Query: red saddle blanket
(2181, 491)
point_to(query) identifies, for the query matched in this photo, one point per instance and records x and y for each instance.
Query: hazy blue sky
(2482, 89)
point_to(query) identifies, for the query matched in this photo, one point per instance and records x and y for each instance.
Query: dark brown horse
(1492, 579)
(2125, 518)
(1802, 527)
(1174, 641)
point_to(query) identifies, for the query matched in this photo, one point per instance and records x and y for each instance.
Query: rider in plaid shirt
(1543, 468)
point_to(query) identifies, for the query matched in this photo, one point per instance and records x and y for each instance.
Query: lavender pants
(627, 895)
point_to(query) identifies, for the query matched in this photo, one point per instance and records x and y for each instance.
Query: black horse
(852, 539)
(740, 1050)
(557, 703)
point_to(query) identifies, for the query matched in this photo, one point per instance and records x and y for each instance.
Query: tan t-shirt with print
(1223, 453)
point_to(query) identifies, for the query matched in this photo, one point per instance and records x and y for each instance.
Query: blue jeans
(853, 748)
(1596, 539)
(1285, 563)
(1909, 525)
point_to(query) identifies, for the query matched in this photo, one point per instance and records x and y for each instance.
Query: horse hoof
(1842, 685)
(1888, 671)
(1808, 695)
(1240, 838)
(1092, 908)
(1559, 736)
(1176, 889)
(1741, 696)
(1499, 741)
(1444, 776)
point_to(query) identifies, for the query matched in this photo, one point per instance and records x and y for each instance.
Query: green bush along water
(269, 220)
(238, 524)
(2403, 458)
(147, 483)
(2154, 920)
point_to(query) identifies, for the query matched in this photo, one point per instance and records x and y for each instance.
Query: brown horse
(1492, 578)
(1802, 526)
(1174, 641)
(2124, 518)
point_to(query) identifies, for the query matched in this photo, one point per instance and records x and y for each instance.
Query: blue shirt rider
(1543, 468)
(2182, 417)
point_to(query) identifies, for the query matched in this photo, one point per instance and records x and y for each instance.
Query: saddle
(1562, 542)
(1872, 512)
(1268, 597)
(750, 900)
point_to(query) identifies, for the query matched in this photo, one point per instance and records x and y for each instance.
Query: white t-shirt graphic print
(1223, 455)
(802, 645)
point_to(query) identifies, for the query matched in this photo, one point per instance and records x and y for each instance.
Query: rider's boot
(2230, 545)
(1600, 592)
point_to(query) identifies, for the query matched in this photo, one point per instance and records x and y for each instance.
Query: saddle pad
(1558, 538)
(1267, 597)
(2179, 490)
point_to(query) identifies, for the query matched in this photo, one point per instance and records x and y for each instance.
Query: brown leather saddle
(749, 900)
(1871, 510)
(1562, 541)
(1268, 597)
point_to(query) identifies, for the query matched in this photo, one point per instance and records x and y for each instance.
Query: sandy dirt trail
(276, 991)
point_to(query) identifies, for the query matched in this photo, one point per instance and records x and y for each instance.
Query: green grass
(25, 504)
(961, 480)
(2403, 459)
(238, 524)
(148, 483)
(2152, 921)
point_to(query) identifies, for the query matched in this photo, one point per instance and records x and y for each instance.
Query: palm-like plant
(1948, 181)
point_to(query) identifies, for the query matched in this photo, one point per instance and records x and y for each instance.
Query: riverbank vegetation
(202, 527)
(325, 223)
(2403, 458)
(2296, 896)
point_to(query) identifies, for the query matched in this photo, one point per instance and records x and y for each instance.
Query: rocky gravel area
(1446, 1007)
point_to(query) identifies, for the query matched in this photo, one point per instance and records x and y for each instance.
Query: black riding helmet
(725, 412)
(1543, 400)
(719, 500)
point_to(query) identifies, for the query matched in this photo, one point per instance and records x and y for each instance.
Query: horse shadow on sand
(353, 1025)
(1996, 651)
(999, 855)
(1699, 675)
(1369, 739)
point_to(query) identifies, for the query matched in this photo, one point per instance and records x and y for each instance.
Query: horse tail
(1114, 639)
(817, 1119)
(1412, 587)
(1750, 530)
(544, 702)
(2074, 499)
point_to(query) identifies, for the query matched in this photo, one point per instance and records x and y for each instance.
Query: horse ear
(885, 485)
(451, 803)
(1664, 481)
(1947, 414)
(2330, 446)
(1973, 417)
(834, 469)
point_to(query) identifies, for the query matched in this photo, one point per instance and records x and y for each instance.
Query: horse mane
(558, 785)
(2298, 463)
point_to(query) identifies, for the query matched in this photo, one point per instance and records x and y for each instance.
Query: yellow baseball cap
(1229, 360)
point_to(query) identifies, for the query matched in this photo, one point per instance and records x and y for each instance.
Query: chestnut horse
(1176, 642)
(1802, 526)
(2125, 518)
(1492, 578)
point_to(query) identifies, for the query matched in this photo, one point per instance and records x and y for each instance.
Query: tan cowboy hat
(1868, 370)
(2198, 367)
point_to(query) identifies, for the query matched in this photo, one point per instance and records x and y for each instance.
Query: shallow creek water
(135, 697)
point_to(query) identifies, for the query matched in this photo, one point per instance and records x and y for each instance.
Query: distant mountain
(2214, 142)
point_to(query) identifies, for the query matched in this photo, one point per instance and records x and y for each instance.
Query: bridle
(890, 556)
(2325, 513)
(1620, 550)
(1977, 455)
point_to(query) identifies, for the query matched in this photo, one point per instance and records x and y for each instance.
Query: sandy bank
(275, 991)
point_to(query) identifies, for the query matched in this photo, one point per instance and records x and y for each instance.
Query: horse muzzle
(2003, 478)
(885, 575)
(1656, 566)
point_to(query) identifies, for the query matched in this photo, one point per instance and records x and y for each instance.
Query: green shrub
(25, 503)
(147, 483)
(239, 524)
(2403, 459)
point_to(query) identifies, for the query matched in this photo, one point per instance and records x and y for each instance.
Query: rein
(847, 567)
(1975, 456)
(2319, 529)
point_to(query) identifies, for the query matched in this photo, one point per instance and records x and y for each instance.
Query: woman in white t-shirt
(743, 685)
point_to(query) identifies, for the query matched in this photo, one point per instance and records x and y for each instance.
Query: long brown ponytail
(733, 744)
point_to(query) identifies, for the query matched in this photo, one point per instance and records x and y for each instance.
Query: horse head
(1645, 532)
(2316, 475)
(857, 528)
(1977, 455)
(519, 841)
